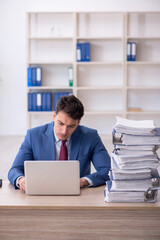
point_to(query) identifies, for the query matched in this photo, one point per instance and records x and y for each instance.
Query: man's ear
(54, 115)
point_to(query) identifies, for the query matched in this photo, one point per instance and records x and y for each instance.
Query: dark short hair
(71, 105)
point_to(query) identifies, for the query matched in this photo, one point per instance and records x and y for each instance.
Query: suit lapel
(48, 141)
(75, 144)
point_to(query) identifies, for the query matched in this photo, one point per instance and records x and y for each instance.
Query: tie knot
(64, 142)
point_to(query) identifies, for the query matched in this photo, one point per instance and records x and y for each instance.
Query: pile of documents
(134, 174)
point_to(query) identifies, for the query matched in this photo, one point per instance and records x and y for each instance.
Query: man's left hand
(83, 182)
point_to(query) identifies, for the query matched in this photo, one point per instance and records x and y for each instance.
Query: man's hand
(83, 182)
(21, 184)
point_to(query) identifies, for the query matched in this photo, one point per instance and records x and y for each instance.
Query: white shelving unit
(143, 76)
(108, 85)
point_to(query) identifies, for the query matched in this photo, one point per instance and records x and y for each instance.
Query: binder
(29, 71)
(70, 76)
(38, 76)
(79, 52)
(87, 52)
(44, 101)
(133, 53)
(30, 102)
(34, 76)
(129, 50)
(48, 101)
(83, 52)
(34, 101)
(39, 102)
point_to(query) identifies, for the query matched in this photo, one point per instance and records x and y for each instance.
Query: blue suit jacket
(85, 146)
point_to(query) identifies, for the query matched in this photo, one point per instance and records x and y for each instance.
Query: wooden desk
(84, 217)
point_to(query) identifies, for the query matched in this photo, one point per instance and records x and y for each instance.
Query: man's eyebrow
(71, 125)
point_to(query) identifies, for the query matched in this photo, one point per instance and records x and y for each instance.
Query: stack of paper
(134, 176)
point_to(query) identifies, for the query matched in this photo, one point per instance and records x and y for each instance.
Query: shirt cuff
(89, 180)
(17, 185)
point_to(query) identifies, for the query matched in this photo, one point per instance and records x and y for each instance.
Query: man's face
(64, 126)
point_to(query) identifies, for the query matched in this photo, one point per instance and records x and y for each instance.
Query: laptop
(52, 177)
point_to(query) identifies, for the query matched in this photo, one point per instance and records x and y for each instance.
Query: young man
(78, 142)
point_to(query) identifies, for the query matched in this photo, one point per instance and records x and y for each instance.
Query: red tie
(63, 151)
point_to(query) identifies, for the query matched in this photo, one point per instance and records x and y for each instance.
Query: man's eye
(71, 126)
(60, 123)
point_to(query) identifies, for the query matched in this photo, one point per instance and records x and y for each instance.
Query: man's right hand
(21, 183)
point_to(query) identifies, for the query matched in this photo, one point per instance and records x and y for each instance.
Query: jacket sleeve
(101, 161)
(24, 153)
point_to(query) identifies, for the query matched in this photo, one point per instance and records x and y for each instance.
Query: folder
(38, 76)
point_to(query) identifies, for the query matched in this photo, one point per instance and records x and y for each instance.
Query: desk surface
(90, 198)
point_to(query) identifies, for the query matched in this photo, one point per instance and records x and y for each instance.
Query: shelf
(143, 37)
(50, 63)
(40, 113)
(99, 63)
(101, 88)
(50, 88)
(142, 63)
(143, 88)
(100, 38)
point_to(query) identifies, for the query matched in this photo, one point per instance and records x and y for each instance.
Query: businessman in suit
(78, 142)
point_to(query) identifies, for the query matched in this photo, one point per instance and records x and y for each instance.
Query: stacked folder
(134, 174)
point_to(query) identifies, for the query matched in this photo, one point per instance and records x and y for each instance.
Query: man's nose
(64, 130)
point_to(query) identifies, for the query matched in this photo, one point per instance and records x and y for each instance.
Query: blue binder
(87, 52)
(29, 76)
(131, 51)
(34, 76)
(49, 101)
(34, 101)
(83, 52)
(29, 101)
(56, 97)
(44, 102)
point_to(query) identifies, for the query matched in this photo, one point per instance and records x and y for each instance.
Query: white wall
(13, 102)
